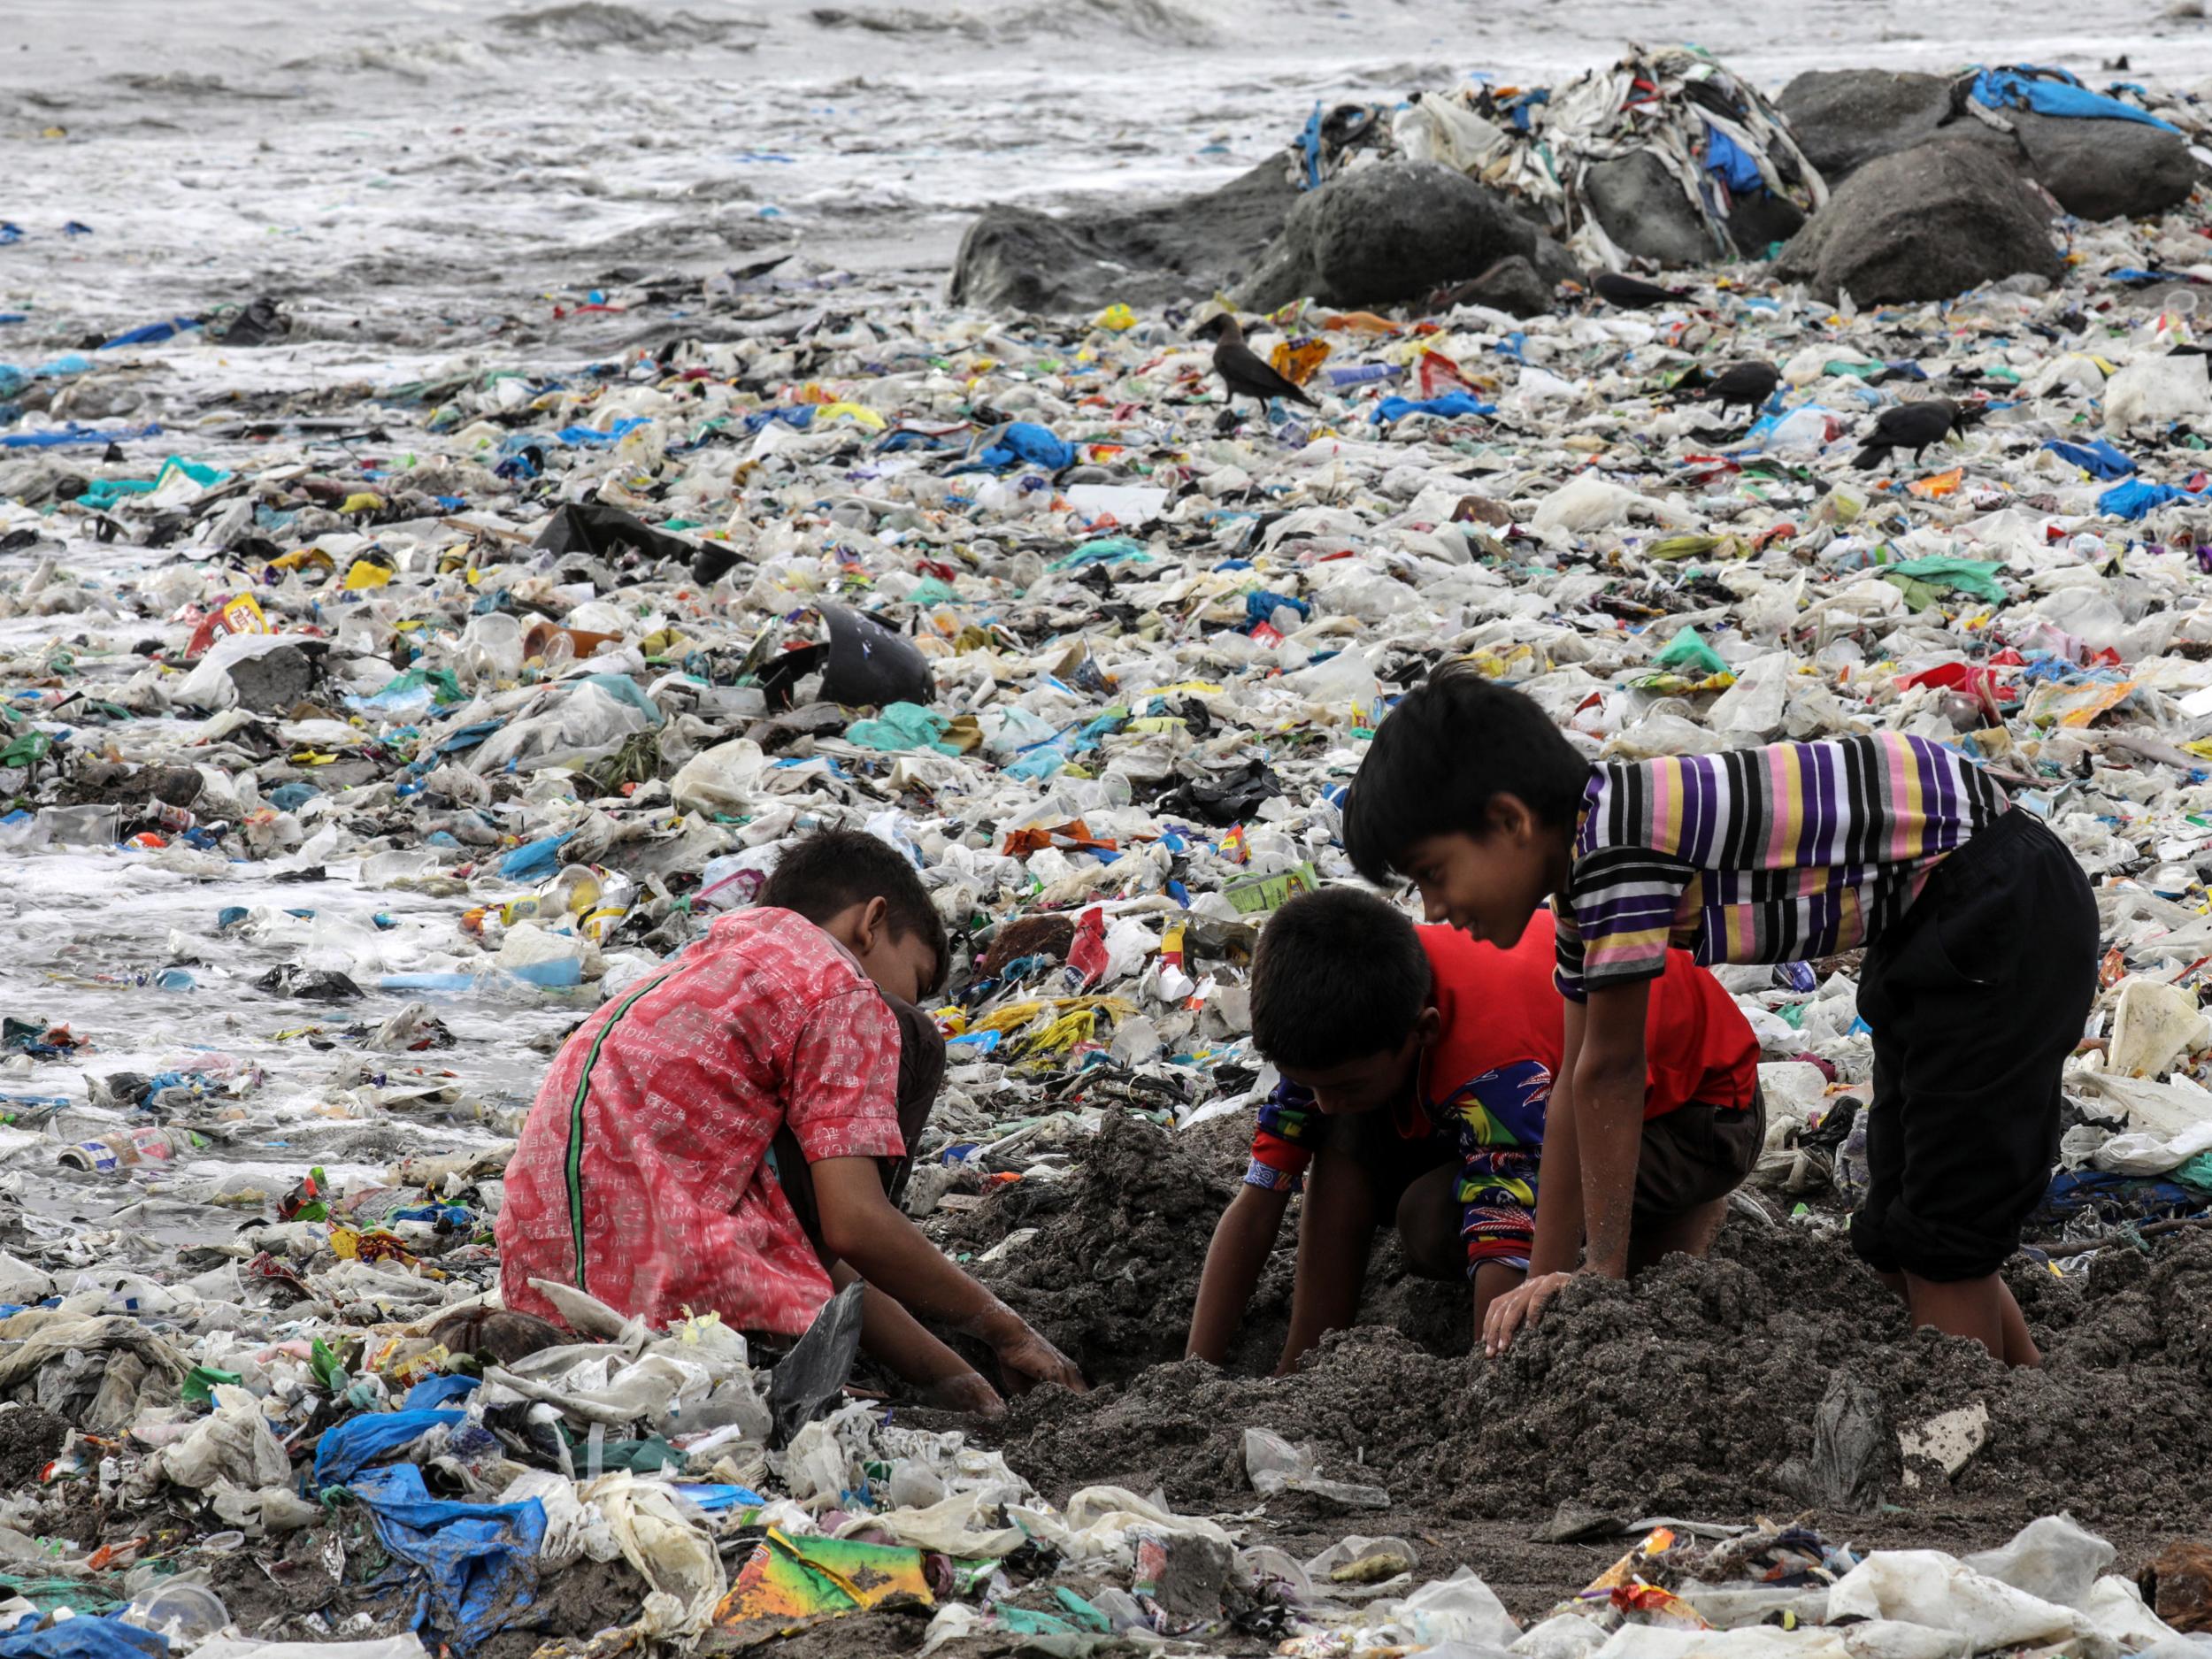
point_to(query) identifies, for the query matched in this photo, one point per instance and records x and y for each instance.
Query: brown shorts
(1695, 1154)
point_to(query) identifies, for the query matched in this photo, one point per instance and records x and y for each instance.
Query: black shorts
(1976, 996)
(1694, 1155)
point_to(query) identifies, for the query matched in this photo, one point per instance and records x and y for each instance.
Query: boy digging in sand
(727, 1136)
(1981, 967)
(1417, 1064)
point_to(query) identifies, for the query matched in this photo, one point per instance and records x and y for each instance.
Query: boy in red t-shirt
(1417, 1064)
(725, 1136)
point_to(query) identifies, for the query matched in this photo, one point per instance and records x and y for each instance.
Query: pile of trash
(1602, 154)
(366, 721)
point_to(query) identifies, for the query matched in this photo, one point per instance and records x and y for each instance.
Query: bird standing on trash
(1750, 384)
(1910, 427)
(1632, 293)
(1244, 371)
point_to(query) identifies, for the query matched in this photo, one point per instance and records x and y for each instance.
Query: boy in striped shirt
(1980, 969)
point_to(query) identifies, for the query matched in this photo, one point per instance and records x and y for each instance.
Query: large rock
(2094, 169)
(1640, 206)
(1924, 225)
(1014, 258)
(1397, 231)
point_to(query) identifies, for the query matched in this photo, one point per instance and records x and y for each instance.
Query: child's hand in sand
(965, 1391)
(1029, 1360)
(1523, 1305)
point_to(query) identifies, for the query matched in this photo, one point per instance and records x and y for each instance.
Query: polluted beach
(1002, 830)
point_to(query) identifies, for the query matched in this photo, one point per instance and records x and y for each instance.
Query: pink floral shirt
(642, 1172)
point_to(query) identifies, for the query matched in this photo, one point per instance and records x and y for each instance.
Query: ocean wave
(600, 24)
(423, 60)
(1157, 22)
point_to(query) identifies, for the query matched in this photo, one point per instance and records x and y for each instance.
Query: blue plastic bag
(1025, 442)
(2009, 88)
(480, 1559)
(346, 1449)
(1729, 162)
(2096, 457)
(2135, 498)
(1451, 405)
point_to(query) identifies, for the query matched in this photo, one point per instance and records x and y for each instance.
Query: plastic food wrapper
(788, 1582)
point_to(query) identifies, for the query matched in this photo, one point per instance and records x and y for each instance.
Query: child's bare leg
(1690, 1234)
(1428, 1225)
(1334, 1231)
(1981, 1308)
(2020, 1349)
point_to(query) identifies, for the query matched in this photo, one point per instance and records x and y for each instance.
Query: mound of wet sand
(1110, 1271)
(1694, 1391)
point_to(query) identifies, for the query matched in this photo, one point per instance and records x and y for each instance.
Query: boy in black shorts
(1979, 974)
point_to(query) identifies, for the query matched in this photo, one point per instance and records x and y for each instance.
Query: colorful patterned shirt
(640, 1174)
(1781, 854)
(1487, 1082)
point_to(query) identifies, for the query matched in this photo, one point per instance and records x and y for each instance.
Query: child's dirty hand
(1516, 1308)
(965, 1391)
(1029, 1360)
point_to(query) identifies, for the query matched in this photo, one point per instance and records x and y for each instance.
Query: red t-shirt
(1500, 1006)
(641, 1173)
(1502, 1011)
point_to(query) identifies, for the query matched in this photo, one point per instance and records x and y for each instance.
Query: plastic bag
(1274, 1466)
(811, 1378)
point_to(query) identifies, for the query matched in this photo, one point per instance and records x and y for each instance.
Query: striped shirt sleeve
(1616, 919)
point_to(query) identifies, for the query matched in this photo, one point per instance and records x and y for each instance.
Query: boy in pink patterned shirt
(724, 1136)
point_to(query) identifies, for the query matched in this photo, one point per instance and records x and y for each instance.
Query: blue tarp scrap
(1730, 163)
(2054, 92)
(72, 434)
(535, 860)
(1309, 147)
(592, 438)
(2095, 457)
(84, 1637)
(1451, 405)
(2135, 498)
(481, 1560)
(347, 1448)
(150, 332)
(1023, 442)
(433, 1392)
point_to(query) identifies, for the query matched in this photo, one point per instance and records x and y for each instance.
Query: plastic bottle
(80, 825)
(112, 1153)
(1361, 374)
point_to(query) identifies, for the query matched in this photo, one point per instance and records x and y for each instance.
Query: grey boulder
(1018, 259)
(1925, 223)
(1844, 118)
(1399, 230)
(1512, 286)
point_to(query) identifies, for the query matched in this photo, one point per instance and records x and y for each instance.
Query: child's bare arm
(893, 1336)
(1557, 1247)
(860, 1228)
(1242, 1238)
(1609, 1118)
(1335, 1231)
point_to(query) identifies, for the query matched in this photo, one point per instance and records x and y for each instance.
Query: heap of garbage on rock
(363, 732)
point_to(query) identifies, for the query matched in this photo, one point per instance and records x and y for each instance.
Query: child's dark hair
(1439, 757)
(833, 870)
(1339, 975)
